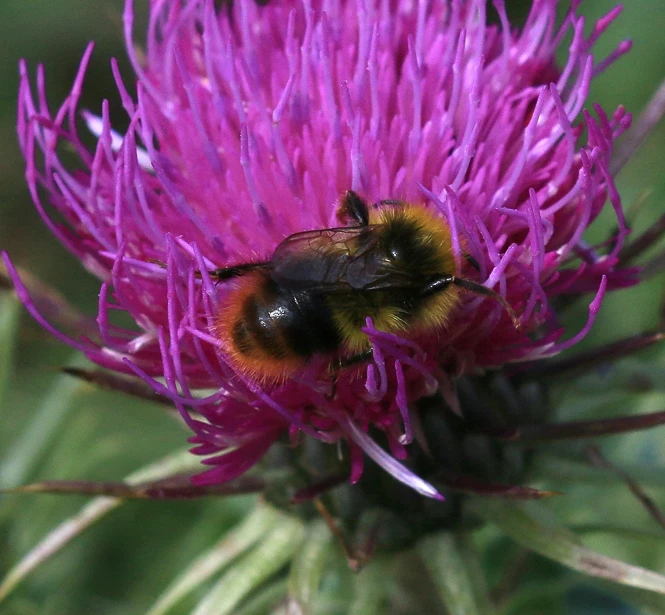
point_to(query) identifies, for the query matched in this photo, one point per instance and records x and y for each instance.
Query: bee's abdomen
(281, 324)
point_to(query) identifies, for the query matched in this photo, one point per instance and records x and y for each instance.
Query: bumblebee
(393, 263)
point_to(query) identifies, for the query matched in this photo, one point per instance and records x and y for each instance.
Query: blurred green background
(52, 427)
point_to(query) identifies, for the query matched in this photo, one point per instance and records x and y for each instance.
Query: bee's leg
(472, 261)
(227, 273)
(390, 202)
(475, 288)
(353, 207)
(342, 363)
(438, 285)
(479, 289)
(333, 387)
(355, 359)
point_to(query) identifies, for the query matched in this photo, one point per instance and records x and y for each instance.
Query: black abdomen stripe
(280, 323)
(312, 329)
(261, 320)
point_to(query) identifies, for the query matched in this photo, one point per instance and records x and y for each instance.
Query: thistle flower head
(248, 125)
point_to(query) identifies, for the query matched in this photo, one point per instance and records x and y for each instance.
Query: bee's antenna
(223, 274)
(228, 273)
(472, 261)
(479, 289)
(442, 282)
(353, 207)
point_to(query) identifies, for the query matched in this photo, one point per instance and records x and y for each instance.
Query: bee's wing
(335, 259)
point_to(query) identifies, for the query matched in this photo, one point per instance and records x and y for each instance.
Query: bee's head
(407, 246)
(415, 240)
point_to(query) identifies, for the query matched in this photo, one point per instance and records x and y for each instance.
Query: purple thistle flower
(247, 126)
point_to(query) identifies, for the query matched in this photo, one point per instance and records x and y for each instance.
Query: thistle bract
(247, 126)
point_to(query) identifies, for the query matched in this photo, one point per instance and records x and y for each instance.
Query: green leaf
(66, 531)
(371, 586)
(266, 599)
(648, 603)
(9, 313)
(562, 546)
(241, 538)
(471, 556)
(446, 557)
(556, 468)
(254, 569)
(25, 454)
(543, 598)
(307, 568)
(629, 533)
